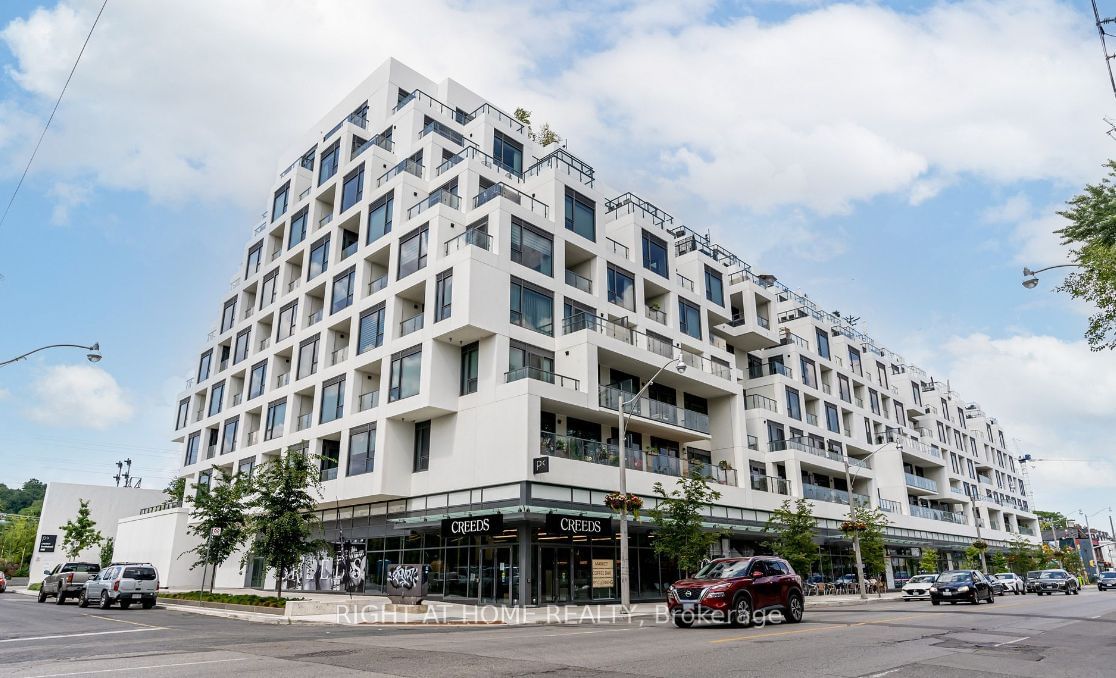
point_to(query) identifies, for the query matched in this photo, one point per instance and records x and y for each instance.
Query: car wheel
(795, 607)
(1076, 591)
(935, 602)
(148, 604)
(681, 621)
(42, 596)
(60, 598)
(742, 611)
(991, 598)
(104, 602)
(125, 604)
(82, 600)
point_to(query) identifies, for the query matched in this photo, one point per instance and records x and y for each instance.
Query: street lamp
(625, 581)
(1031, 281)
(852, 518)
(93, 356)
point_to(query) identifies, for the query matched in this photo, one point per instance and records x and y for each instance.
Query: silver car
(1012, 582)
(123, 583)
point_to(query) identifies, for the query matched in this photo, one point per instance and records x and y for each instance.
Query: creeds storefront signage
(577, 525)
(465, 527)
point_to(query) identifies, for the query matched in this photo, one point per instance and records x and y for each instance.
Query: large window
(257, 379)
(371, 331)
(276, 416)
(328, 166)
(532, 307)
(379, 217)
(689, 319)
(297, 231)
(240, 350)
(343, 286)
(412, 252)
(228, 315)
(331, 454)
(255, 256)
(183, 413)
(216, 398)
(279, 204)
(832, 419)
(288, 321)
(714, 287)
(333, 400)
(794, 403)
(362, 450)
(308, 356)
(319, 258)
(470, 367)
(655, 255)
(193, 444)
(267, 288)
(422, 446)
(443, 295)
(530, 361)
(352, 190)
(581, 214)
(228, 436)
(508, 152)
(823, 343)
(406, 371)
(532, 247)
(843, 388)
(874, 403)
(854, 361)
(204, 363)
(809, 372)
(621, 288)
(901, 417)
(245, 468)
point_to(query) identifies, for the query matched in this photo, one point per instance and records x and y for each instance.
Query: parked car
(1053, 581)
(1106, 580)
(3, 582)
(998, 587)
(1012, 582)
(845, 580)
(735, 589)
(123, 583)
(918, 587)
(66, 580)
(957, 586)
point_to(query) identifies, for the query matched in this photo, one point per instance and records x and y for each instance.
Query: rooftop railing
(491, 111)
(654, 410)
(630, 203)
(562, 161)
(502, 190)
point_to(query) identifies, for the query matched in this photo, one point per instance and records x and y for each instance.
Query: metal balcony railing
(654, 410)
(473, 236)
(541, 375)
(920, 482)
(367, 401)
(662, 462)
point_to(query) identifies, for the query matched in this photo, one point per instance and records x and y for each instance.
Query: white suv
(1012, 582)
(123, 583)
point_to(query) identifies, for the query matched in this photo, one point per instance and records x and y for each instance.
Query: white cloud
(66, 196)
(5, 393)
(78, 396)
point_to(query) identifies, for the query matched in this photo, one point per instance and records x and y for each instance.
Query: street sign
(47, 543)
(215, 532)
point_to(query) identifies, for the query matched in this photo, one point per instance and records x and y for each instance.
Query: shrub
(36, 586)
(233, 599)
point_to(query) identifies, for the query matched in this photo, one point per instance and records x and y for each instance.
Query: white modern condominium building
(447, 314)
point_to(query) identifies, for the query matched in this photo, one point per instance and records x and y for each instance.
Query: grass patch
(234, 599)
(35, 587)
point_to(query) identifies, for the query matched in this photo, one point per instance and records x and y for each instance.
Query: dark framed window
(470, 367)
(422, 446)
(240, 347)
(328, 166)
(621, 288)
(809, 372)
(714, 287)
(689, 319)
(823, 343)
(276, 418)
(532, 307)
(371, 331)
(279, 203)
(443, 295)
(508, 152)
(655, 255)
(854, 361)
(267, 288)
(531, 361)
(794, 403)
(308, 356)
(296, 232)
(901, 415)
(228, 315)
(204, 363)
(257, 380)
(193, 444)
(379, 217)
(531, 247)
(228, 435)
(331, 454)
(843, 388)
(412, 252)
(344, 284)
(575, 316)
(832, 419)
(352, 189)
(319, 258)
(183, 413)
(245, 468)
(874, 402)
(255, 256)
(333, 400)
(581, 215)
(202, 486)
(288, 321)
(406, 374)
(362, 450)
(216, 398)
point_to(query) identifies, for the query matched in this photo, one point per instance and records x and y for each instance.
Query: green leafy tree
(1071, 561)
(1023, 556)
(872, 551)
(282, 515)
(791, 529)
(1052, 519)
(1091, 233)
(81, 533)
(677, 519)
(997, 562)
(972, 558)
(221, 507)
(17, 541)
(928, 563)
(14, 500)
(176, 489)
(546, 136)
(106, 552)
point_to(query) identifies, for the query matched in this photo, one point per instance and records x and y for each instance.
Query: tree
(1023, 556)
(872, 551)
(106, 552)
(1052, 519)
(997, 562)
(221, 507)
(282, 514)
(80, 534)
(972, 558)
(928, 564)
(175, 489)
(14, 501)
(1091, 234)
(546, 135)
(792, 528)
(1071, 561)
(17, 541)
(678, 518)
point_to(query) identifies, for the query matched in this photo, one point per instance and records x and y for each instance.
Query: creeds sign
(465, 527)
(578, 525)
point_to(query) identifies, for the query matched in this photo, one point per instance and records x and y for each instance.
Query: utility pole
(856, 533)
(119, 466)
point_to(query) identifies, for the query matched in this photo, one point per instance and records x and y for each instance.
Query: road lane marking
(779, 633)
(79, 635)
(1011, 642)
(139, 668)
(123, 621)
(885, 673)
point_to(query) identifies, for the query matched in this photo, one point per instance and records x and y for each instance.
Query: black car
(1106, 580)
(956, 586)
(998, 587)
(1052, 581)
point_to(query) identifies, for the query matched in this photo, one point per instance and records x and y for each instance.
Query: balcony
(210, 451)
(756, 401)
(654, 410)
(629, 203)
(541, 375)
(472, 152)
(770, 484)
(445, 131)
(378, 140)
(282, 380)
(378, 284)
(252, 438)
(502, 190)
(338, 355)
(618, 248)
(473, 236)
(563, 162)
(325, 220)
(819, 493)
(685, 282)
(753, 442)
(303, 422)
(921, 482)
(811, 419)
(770, 369)
(888, 506)
(412, 324)
(656, 314)
(237, 398)
(293, 285)
(579, 281)
(595, 452)
(409, 166)
(367, 401)
(439, 197)
(936, 514)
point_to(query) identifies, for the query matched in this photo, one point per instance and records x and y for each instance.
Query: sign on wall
(464, 527)
(578, 525)
(47, 542)
(542, 464)
(602, 573)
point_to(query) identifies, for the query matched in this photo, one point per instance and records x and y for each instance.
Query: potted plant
(724, 465)
(619, 502)
(854, 526)
(980, 545)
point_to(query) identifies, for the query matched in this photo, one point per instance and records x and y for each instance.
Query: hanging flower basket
(618, 502)
(854, 526)
(980, 544)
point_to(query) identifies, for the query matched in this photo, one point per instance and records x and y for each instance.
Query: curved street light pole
(1031, 281)
(852, 517)
(93, 356)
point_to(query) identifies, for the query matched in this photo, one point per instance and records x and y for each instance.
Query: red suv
(736, 590)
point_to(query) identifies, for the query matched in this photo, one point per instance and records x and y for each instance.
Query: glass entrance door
(495, 574)
(554, 574)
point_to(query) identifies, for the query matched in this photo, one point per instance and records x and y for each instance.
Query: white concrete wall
(161, 539)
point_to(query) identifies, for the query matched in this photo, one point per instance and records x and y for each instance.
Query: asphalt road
(1018, 636)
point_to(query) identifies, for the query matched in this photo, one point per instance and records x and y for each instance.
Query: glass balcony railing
(920, 482)
(654, 410)
(412, 324)
(661, 462)
(407, 165)
(474, 153)
(473, 236)
(439, 197)
(579, 281)
(542, 375)
(936, 514)
(656, 314)
(379, 140)
(367, 401)
(303, 422)
(770, 484)
(889, 506)
(756, 401)
(377, 284)
(502, 190)
(832, 495)
(445, 131)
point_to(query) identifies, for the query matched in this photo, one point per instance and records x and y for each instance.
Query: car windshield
(80, 567)
(922, 578)
(951, 577)
(1053, 575)
(722, 569)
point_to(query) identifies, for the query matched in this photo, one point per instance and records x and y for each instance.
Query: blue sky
(896, 161)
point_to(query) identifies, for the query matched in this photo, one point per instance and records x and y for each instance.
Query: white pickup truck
(66, 581)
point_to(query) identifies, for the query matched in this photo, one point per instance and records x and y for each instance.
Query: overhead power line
(35, 151)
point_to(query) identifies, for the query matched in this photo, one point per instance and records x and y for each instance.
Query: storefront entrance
(581, 573)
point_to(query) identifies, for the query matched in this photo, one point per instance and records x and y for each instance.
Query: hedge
(235, 599)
